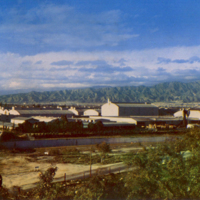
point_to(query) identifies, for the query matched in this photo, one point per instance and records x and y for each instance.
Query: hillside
(186, 92)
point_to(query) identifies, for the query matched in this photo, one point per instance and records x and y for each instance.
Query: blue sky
(83, 43)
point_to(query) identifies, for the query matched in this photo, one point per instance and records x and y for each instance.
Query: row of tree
(57, 125)
(63, 126)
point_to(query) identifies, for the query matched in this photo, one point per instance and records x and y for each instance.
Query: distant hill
(173, 91)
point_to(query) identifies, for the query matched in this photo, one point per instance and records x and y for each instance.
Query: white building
(189, 114)
(128, 109)
(91, 112)
(21, 120)
(73, 110)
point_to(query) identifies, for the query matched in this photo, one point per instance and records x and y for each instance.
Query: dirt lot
(23, 169)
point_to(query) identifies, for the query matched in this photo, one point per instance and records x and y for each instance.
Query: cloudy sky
(83, 43)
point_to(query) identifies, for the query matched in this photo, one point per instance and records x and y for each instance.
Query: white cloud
(36, 71)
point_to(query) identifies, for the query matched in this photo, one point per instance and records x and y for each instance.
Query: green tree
(169, 171)
(94, 189)
(99, 126)
(64, 118)
(46, 189)
(25, 127)
(41, 127)
(92, 127)
(104, 149)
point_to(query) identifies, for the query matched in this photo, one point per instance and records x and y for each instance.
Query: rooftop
(44, 112)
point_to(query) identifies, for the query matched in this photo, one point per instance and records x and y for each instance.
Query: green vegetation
(170, 171)
(63, 128)
(104, 149)
(167, 171)
(57, 126)
(186, 92)
(8, 136)
(95, 155)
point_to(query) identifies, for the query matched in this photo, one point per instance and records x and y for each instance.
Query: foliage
(8, 136)
(47, 176)
(96, 127)
(64, 119)
(173, 91)
(25, 127)
(101, 187)
(4, 193)
(56, 126)
(46, 189)
(166, 172)
(103, 147)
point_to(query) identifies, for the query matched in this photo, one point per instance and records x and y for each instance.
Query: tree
(25, 127)
(41, 127)
(92, 126)
(64, 118)
(103, 148)
(46, 189)
(169, 171)
(99, 126)
(94, 189)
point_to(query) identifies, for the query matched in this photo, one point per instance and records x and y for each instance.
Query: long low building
(52, 113)
(190, 113)
(7, 114)
(7, 125)
(21, 120)
(139, 121)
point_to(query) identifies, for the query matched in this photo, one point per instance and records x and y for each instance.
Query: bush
(8, 136)
(169, 171)
(47, 176)
(71, 151)
(54, 152)
(103, 147)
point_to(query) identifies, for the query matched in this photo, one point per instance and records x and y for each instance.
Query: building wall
(114, 119)
(72, 109)
(13, 112)
(191, 114)
(90, 112)
(178, 113)
(138, 111)
(16, 121)
(194, 114)
(110, 109)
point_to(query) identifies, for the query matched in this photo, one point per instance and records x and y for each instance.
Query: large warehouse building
(6, 114)
(128, 109)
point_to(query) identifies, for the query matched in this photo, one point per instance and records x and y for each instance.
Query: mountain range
(163, 92)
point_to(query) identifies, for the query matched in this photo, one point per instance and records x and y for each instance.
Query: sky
(50, 44)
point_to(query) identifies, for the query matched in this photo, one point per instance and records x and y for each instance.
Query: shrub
(103, 147)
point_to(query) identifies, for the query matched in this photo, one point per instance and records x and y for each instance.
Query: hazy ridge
(173, 91)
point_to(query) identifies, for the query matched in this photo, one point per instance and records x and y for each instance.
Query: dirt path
(26, 177)
(20, 171)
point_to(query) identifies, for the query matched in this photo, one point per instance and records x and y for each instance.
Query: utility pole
(90, 162)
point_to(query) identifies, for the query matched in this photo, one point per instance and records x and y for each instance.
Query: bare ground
(20, 170)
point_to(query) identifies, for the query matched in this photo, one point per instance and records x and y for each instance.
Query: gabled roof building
(128, 109)
(52, 113)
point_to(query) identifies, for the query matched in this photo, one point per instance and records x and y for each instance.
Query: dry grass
(14, 160)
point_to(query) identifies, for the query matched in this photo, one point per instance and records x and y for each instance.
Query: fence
(86, 174)
(72, 142)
